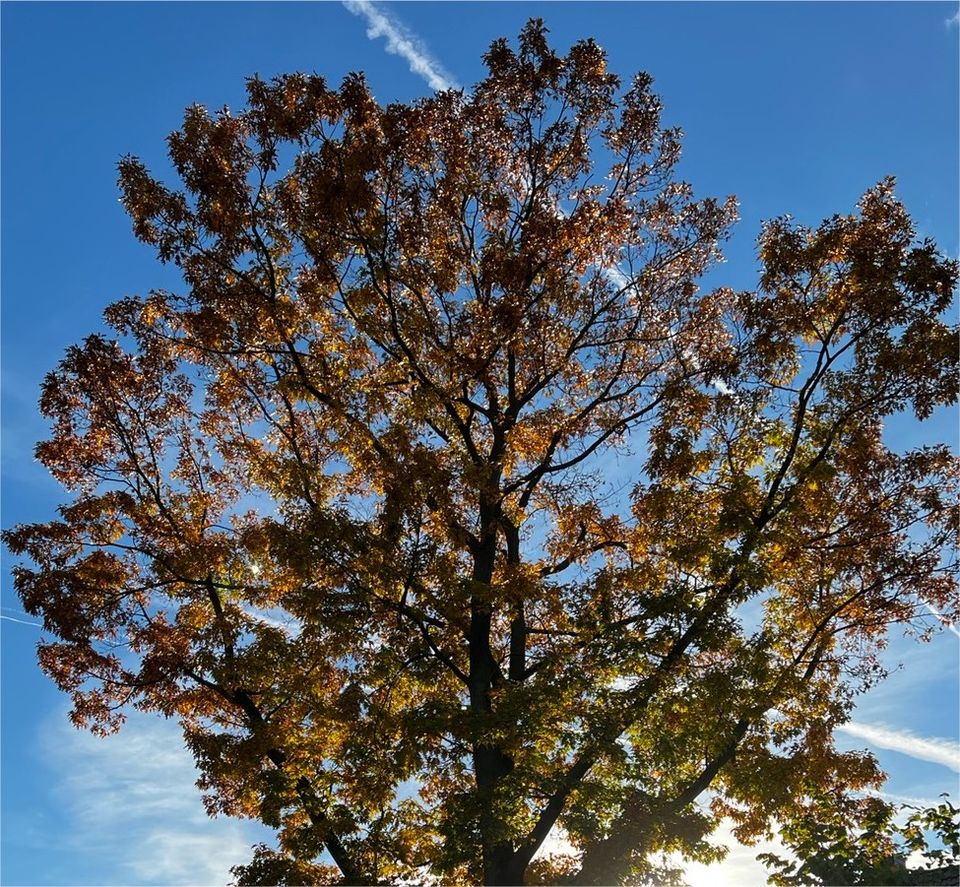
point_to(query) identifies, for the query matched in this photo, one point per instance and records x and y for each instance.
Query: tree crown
(342, 503)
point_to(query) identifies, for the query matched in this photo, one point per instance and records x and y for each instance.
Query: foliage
(859, 842)
(344, 504)
(270, 867)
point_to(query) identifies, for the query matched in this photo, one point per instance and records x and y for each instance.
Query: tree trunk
(503, 869)
(489, 762)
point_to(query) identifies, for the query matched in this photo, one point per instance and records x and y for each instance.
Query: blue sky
(793, 107)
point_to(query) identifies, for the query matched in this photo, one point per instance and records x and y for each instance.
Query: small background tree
(860, 842)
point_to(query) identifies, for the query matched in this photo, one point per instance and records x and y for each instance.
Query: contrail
(20, 621)
(400, 41)
(939, 751)
(943, 619)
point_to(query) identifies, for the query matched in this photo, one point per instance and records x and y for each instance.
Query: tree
(342, 505)
(859, 842)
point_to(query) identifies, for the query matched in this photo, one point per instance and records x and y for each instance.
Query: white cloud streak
(402, 42)
(945, 752)
(953, 21)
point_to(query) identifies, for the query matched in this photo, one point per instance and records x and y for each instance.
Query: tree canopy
(446, 510)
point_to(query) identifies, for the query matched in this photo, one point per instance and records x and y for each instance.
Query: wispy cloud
(915, 671)
(904, 799)
(133, 809)
(953, 21)
(934, 749)
(402, 42)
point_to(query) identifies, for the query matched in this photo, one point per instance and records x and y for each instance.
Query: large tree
(444, 509)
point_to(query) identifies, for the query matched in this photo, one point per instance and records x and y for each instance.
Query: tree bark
(490, 763)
